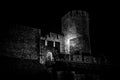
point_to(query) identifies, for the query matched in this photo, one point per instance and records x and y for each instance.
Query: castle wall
(20, 41)
(75, 24)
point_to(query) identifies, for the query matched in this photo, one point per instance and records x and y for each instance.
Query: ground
(21, 68)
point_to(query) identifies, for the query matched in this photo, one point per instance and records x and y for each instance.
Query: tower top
(76, 13)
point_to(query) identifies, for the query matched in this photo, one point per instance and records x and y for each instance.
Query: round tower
(75, 28)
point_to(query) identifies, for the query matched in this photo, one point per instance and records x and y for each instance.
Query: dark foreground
(14, 68)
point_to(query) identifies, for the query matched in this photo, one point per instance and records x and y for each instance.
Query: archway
(49, 56)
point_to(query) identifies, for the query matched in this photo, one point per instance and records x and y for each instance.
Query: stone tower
(75, 28)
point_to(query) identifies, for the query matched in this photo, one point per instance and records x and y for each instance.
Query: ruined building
(27, 42)
(50, 43)
(71, 47)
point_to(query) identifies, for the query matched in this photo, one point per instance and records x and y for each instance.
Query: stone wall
(74, 24)
(20, 41)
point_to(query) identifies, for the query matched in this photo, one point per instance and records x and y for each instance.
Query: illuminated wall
(70, 33)
(75, 25)
(52, 43)
(56, 39)
(75, 45)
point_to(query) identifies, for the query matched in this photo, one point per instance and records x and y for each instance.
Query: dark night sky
(49, 19)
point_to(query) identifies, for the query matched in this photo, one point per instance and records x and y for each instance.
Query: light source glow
(70, 33)
(67, 42)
